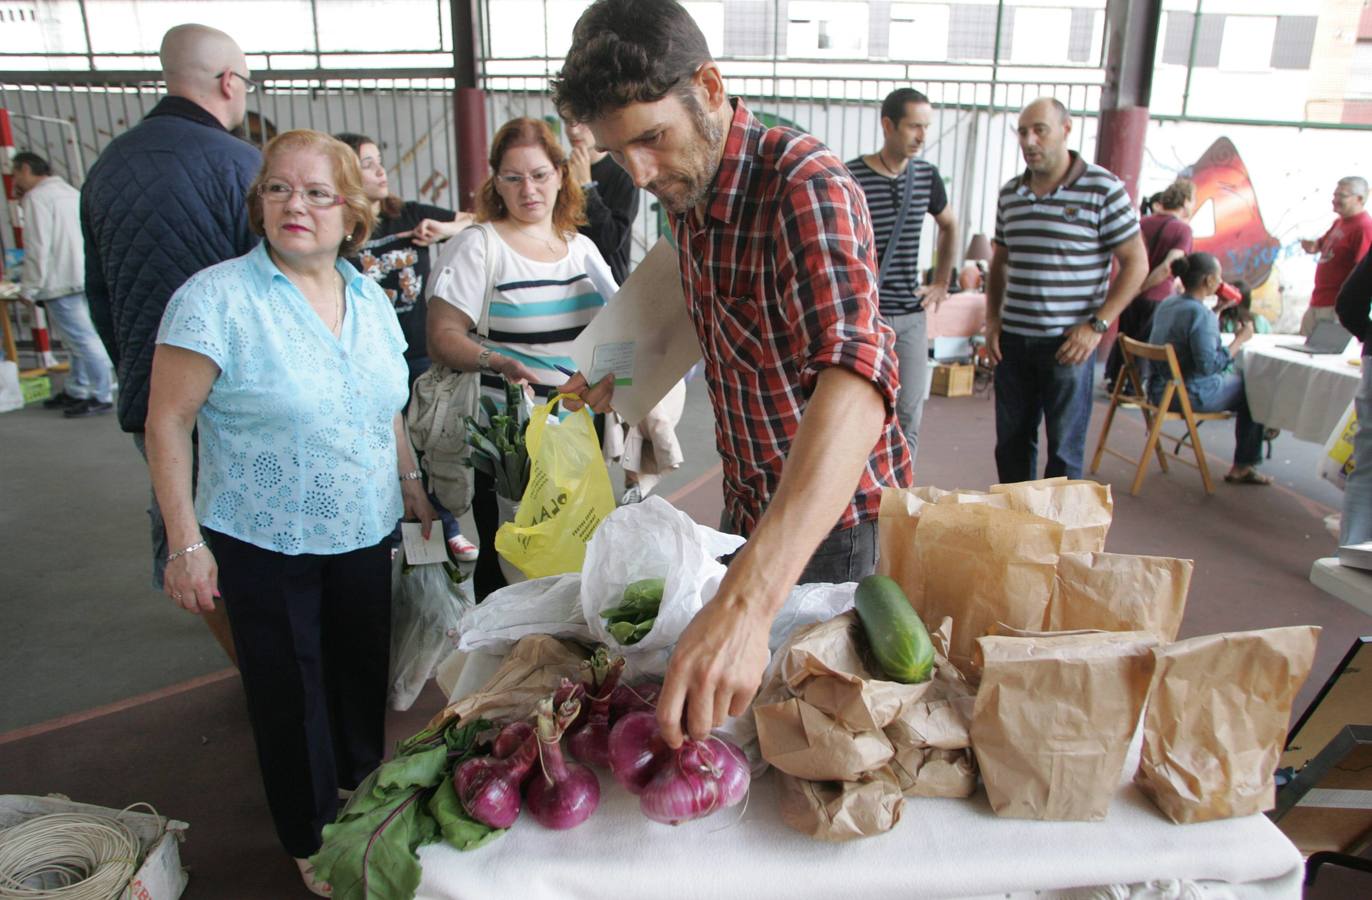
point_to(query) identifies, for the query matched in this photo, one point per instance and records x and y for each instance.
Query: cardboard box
(953, 379)
(159, 877)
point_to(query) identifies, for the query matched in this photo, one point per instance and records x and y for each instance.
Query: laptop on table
(1327, 339)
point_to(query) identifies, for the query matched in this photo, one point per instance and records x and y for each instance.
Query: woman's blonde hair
(569, 211)
(347, 180)
(1174, 196)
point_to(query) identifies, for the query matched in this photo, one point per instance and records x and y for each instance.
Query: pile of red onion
(608, 724)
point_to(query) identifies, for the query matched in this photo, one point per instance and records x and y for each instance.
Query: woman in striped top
(548, 283)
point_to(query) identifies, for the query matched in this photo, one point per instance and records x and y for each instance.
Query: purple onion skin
(628, 698)
(590, 743)
(703, 777)
(735, 773)
(637, 751)
(565, 801)
(511, 738)
(489, 790)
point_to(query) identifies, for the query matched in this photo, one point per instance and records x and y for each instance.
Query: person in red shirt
(780, 275)
(1346, 242)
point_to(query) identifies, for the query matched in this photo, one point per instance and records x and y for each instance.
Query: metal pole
(86, 30)
(1191, 58)
(995, 54)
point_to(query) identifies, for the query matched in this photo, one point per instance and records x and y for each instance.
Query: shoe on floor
(462, 549)
(60, 400)
(632, 495)
(85, 408)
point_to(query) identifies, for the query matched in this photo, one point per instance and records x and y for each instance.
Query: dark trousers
(313, 636)
(1136, 322)
(1032, 387)
(846, 554)
(487, 576)
(1228, 396)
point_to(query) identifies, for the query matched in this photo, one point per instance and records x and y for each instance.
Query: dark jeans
(313, 635)
(1231, 396)
(847, 554)
(487, 576)
(1136, 322)
(1031, 386)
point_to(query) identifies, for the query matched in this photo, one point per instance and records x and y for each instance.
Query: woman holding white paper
(546, 282)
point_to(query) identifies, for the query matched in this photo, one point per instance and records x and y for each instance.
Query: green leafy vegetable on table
(498, 449)
(633, 618)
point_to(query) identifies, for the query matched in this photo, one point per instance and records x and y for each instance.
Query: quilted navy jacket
(165, 200)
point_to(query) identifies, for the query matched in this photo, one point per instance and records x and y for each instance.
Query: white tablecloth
(940, 849)
(1296, 392)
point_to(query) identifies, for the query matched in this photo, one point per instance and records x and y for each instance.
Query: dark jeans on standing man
(846, 554)
(313, 635)
(1032, 386)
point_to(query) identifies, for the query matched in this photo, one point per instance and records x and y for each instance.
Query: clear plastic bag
(427, 605)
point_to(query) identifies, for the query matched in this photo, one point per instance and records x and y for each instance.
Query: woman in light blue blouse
(291, 365)
(1193, 330)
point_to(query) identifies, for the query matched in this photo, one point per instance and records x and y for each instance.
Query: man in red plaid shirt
(779, 272)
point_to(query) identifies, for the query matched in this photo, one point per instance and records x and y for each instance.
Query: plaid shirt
(781, 283)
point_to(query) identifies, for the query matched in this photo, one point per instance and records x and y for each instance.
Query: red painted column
(1119, 148)
(469, 109)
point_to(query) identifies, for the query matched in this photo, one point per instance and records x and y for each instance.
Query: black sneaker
(60, 400)
(88, 407)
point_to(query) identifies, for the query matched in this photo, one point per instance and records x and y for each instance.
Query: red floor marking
(116, 707)
(709, 476)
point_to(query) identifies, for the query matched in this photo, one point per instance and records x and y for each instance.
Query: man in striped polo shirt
(1058, 226)
(906, 115)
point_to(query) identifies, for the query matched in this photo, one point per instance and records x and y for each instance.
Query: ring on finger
(176, 595)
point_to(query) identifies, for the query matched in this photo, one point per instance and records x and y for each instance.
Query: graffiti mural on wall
(1229, 224)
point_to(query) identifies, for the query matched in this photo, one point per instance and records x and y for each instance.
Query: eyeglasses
(280, 192)
(539, 177)
(249, 86)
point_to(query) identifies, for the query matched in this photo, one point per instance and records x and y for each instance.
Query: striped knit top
(1060, 247)
(537, 308)
(884, 195)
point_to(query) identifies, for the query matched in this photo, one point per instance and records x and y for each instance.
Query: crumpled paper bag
(855, 739)
(984, 566)
(841, 810)
(532, 670)
(1054, 717)
(652, 539)
(1119, 592)
(898, 522)
(1085, 508)
(1216, 721)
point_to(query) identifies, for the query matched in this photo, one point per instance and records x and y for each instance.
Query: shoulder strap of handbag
(900, 222)
(483, 326)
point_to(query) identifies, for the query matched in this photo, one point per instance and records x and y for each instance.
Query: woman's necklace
(549, 243)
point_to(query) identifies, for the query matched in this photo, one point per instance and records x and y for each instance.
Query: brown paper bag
(532, 670)
(1084, 508)
(841, 810)
(898, 520)
(928, 772)
(1217, 721)
(802, 741)
(983, 565)
(1054, 717)
(1119, 592)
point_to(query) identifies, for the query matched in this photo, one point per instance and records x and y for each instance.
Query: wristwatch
(1098, 325)
(483, 360)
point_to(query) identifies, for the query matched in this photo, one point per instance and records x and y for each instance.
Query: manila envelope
(1216, 721)
(1119, 592)
(1054, 717)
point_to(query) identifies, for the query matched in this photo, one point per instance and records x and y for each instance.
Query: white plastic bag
(652, 539)
(426, 609)
(11, 393)
(550, 605)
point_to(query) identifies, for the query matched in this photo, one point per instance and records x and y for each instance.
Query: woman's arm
(450, 344)
(181, 381)
(1208, 355)
(417, 505)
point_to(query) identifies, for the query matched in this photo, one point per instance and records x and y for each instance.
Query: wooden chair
(1129, 389)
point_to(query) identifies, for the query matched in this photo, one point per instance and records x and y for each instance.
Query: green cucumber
(898, 638)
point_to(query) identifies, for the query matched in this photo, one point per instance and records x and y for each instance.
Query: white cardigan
(54, 255)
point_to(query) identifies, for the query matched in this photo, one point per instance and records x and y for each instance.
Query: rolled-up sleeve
(825, 270)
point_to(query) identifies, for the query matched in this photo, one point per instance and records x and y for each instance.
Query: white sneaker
(632, 495)
(462, 549)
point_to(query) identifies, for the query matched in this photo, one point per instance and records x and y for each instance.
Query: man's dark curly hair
(627, 51)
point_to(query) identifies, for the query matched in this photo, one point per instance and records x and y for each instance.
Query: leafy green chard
(369, 852)
(633, 618)
(498, 449)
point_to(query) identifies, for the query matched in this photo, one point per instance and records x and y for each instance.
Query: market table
(940, 849)
(1301, 394)
(1352, 586)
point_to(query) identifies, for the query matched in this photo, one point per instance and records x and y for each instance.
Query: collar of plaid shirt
(780, 280)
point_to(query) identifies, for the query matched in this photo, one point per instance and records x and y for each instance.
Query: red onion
(489, 787)
(703, 777)
(637, 750)
(511, 738)
(565, 793)
(629, 698)
(589, 739)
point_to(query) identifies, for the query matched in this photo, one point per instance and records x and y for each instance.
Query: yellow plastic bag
(567, 498)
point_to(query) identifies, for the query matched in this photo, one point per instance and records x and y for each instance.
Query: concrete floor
(112, 694)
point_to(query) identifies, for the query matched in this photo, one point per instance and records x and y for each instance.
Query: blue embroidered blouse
(297, 447)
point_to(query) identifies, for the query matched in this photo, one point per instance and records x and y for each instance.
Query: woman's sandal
(1252, 476)
(312, 883)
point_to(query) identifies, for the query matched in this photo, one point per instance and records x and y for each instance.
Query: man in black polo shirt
(1058, 226)
(886, 176)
